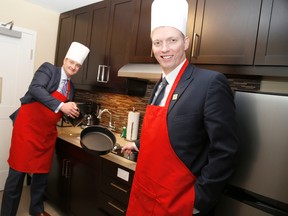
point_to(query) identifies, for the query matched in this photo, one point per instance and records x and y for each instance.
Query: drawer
(115, 189)
(118, 172)
(112, 206)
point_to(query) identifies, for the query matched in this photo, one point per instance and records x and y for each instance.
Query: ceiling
(61, 6)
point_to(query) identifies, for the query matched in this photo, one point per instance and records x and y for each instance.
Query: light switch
(123, 174)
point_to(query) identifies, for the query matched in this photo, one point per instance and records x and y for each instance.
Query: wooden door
(97, 41)
(81, 32)
(272, 44)
(141, 46)
(119, 39)
(65, 37)
(225, 32)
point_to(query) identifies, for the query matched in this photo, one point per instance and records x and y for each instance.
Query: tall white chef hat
(77, 52)
(172, 13)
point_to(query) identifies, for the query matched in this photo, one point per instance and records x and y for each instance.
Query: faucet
(110, 126)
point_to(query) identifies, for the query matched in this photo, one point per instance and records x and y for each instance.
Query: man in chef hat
(34, 132)
(188, 139)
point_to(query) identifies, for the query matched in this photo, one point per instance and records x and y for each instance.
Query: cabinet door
(83, 193)
(57, 186)
(225, 32)
(272, 44)
(141, 46)
(118, 41)
(97, 43)
(65, 37)
(80, 32)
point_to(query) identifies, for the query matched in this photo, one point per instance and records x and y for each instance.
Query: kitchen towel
(132, 126)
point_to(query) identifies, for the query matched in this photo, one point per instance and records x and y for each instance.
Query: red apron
(162, 184)
(34, 136)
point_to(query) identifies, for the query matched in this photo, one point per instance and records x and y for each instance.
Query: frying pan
(97, 140)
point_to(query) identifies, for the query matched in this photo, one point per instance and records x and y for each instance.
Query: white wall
(29, 16)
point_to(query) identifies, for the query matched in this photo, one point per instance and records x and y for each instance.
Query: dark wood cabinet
(64, 38)
(97, 41)
(225, 32)
(73, 181)
(141, 46)
(121, 20)
(272, 44)
(73, 26)
(116, 182)
(230, 36)
(106, 28)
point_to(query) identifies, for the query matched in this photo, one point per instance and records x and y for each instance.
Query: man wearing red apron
(35, 133)
(188, 140)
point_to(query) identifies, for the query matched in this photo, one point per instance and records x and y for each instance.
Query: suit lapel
(184, 82)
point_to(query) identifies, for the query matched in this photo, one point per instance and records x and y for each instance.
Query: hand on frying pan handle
(129, 147)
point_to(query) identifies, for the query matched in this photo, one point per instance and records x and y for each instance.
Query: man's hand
(70, 109)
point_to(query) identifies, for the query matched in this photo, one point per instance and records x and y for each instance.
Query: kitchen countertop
(72, 135)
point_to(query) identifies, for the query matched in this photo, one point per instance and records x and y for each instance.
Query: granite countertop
(72, 135)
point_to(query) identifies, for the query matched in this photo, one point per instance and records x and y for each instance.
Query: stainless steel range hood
(151, 72)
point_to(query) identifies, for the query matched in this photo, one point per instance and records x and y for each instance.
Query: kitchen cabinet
(141, 46)
(225, 32)
(272, 43)
(110, 43)
(115, 188)
(106, 28)
(73, 181)
(73, 26)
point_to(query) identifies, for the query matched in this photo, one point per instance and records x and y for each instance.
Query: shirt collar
(173, 74)
(64, 75)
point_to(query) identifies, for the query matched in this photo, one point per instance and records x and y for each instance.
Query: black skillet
(97, 140)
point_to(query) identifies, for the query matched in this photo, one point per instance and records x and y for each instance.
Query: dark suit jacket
(45, 81)
(202, 131)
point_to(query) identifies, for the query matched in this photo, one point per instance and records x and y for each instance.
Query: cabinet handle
(68, 168)
(64, 167)
(116, 207)
(103, 73)
(118, 187)
(195, 45)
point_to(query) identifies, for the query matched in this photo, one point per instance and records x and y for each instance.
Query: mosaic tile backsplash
(119, 105)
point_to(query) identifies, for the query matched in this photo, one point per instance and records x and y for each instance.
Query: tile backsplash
(119, 105)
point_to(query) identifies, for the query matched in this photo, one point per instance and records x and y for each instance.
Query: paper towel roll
(132, 126)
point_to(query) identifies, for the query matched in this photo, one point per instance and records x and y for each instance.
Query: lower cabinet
(116, 182)
(82, 184)
(73, 181)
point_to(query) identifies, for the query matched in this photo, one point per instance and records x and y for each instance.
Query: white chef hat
(172, 13)
(77, 52)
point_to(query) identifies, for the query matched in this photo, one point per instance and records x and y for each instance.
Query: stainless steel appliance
(259, 187)
(89, 111)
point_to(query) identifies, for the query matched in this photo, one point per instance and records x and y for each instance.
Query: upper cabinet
(106, 28)
(225, 35)
(141, 46)
(111, 32)
(272, 44)
(225, 32)
(247, 32)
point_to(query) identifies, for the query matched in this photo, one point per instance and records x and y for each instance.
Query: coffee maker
(89, 110)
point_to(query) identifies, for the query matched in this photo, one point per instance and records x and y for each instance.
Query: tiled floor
(23, 209)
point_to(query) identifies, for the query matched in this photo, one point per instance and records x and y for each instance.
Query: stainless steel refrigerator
(259, 186)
